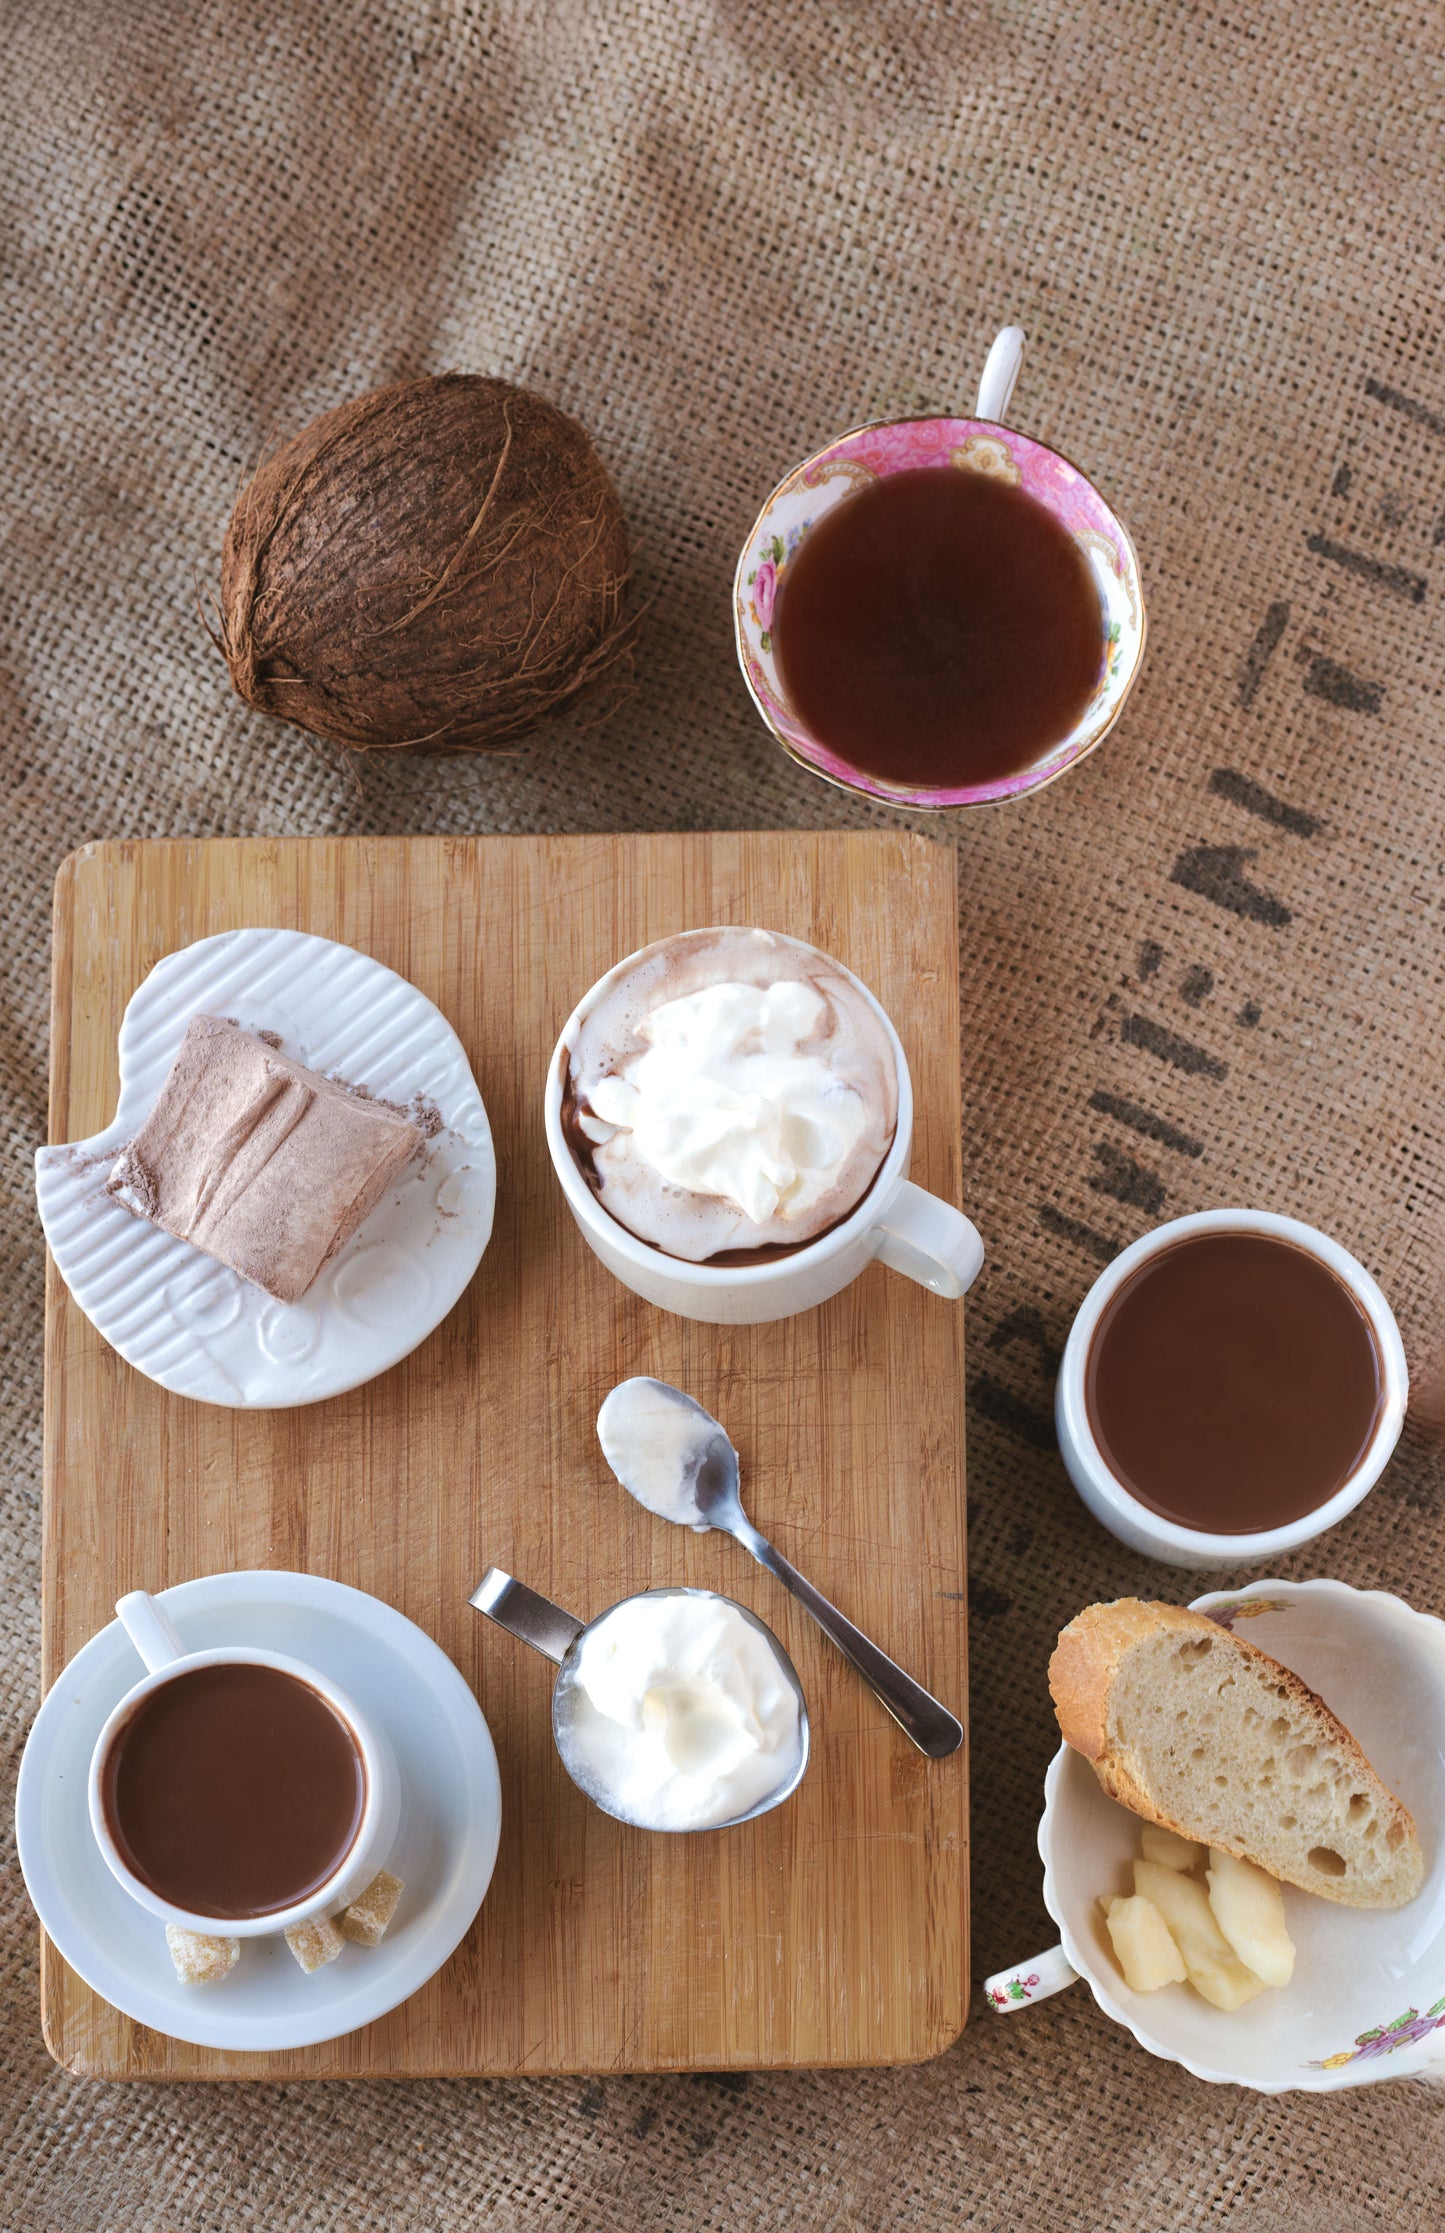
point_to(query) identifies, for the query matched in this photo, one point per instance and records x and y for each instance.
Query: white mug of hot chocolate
(166, 1657)
(1153, 1533)
(823, 1148)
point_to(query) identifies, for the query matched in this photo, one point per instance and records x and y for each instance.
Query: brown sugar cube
(315, 1944)
(198, 1959)
(366, 1919)
(258, 1161)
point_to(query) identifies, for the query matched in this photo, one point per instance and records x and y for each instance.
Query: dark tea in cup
(940, 612)
(939, 628)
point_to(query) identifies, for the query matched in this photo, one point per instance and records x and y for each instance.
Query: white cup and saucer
(432, 1814)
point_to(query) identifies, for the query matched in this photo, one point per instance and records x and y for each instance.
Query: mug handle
(151, 1629)
(1000, 373)
(1026, 1982)
(929, 1241)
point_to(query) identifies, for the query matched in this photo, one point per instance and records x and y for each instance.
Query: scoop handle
(918, 1714)
(525, 1614)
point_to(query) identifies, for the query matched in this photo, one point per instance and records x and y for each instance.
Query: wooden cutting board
(833, 1931)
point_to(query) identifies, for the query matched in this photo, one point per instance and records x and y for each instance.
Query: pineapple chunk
(1249, 1908)
(1215, 1970)
(1142, 1945)
(1169, 1849)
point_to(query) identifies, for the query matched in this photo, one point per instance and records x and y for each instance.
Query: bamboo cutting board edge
(829, 887)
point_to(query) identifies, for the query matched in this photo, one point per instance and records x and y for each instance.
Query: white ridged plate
(196, 1326)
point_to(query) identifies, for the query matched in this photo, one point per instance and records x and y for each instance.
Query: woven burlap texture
(1204, 968)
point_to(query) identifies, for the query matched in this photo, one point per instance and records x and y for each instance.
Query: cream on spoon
(655, 1440)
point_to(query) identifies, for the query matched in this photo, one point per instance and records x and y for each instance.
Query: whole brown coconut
(435, 566)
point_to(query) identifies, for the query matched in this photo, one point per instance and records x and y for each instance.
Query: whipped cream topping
(722, 1100)
(678, 1712)
(734, 1090)
(655, 1439)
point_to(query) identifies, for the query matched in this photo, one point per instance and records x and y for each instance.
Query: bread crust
(1089, 1654)
(1082, 1669)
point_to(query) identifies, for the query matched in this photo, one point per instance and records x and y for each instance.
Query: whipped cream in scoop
(678, 1712)
(732, 1090)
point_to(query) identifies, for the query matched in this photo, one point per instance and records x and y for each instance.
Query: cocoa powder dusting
(133, 1186)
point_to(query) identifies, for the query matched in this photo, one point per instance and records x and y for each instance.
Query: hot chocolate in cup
(1231, 1387)
(238, 1791)
(730, 1115)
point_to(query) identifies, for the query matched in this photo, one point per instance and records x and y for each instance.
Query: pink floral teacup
(982, 444)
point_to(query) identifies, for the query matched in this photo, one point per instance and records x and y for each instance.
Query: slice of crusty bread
(1203, 1733)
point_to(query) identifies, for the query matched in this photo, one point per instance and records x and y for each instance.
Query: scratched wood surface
(833, 1931)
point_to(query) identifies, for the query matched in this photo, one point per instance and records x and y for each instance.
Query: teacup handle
(1000, 374)
(1027, 1982)
(534, 1619)
(151, 1629)
(929, 1241)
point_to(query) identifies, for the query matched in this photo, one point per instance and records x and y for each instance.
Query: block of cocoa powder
(260, 1162)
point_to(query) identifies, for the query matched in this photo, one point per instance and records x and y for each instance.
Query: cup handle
(929, 1241)
(534, 1619)
(1020, 1987)
(1000, 374)
(151, 1629)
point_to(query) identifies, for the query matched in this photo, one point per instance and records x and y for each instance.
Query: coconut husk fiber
(366, 594)
(1205, 967)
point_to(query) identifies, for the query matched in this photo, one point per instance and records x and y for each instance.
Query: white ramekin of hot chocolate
(730, 1115)
(1171, 1524)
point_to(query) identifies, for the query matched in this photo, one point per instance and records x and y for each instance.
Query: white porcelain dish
(1367, 1999)
(193, 1324)
(444, 1851)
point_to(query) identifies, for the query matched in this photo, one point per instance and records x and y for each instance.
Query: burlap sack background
(1204, 968)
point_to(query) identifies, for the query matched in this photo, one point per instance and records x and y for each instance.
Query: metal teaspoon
(686, 1470)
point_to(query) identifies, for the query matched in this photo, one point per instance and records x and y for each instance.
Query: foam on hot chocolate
(732, 1090)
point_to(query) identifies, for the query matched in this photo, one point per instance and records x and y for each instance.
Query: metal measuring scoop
(535, 1620)
(686, 1470)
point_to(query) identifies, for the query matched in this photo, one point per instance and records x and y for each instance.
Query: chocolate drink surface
(233, 1791)
(1233, 1383)
(939, 629)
